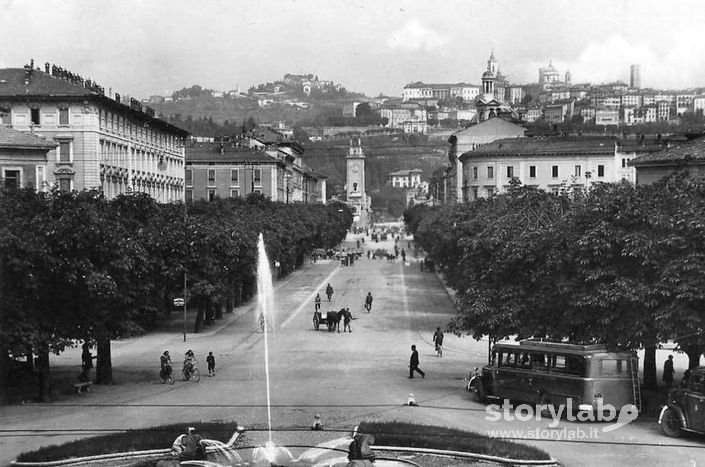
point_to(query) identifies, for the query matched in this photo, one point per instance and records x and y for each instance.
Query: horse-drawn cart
(329, 319)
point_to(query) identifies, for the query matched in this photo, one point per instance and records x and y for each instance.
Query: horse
(332, 320)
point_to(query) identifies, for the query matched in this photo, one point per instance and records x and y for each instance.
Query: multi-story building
(468, 139)
(684, 103)
(101, 142)
(406, 115)
(683, 157)
(405, 178)
(663, 110)
(550, 164)
(435, 91)
(607, 116)
(699, 103)
(558, 112)
(234, 168)
(630, 100)
(23, 159)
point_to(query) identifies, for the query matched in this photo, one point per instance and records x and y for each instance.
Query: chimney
(46, 68)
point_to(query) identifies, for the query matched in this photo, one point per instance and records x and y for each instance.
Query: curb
(107, 459)
(468, 455)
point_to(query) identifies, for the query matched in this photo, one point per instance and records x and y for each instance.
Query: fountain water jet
(265, 307)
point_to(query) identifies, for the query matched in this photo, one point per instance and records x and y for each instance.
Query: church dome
(488, 75)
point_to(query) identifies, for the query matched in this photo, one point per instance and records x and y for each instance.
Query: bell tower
(355, 180)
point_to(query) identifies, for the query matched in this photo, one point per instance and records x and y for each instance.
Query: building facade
(235, 168)
(102, 143)
(684, 157)
(550, 164)
(23, 159)
(405, 178)
(468, 139)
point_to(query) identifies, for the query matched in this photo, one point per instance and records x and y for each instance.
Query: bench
(82, 386)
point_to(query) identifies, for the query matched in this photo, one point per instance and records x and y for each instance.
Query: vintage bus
(552, 373)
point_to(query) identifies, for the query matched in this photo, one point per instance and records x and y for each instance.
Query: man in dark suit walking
(414, 363)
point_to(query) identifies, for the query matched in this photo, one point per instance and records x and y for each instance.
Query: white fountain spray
(269, 454)
(265, 307)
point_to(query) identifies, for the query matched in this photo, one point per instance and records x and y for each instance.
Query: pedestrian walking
(403, 255)
(668, 371)
(414, 363)
(368, 302)
(317, 302)
(329, 291)
(86, 362)
(210, 359)
(438, 340)
(347, 317)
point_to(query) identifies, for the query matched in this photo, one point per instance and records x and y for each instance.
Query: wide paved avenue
(344, 377)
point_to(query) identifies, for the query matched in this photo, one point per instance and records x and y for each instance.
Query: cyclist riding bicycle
(165, 362)
(189, 362)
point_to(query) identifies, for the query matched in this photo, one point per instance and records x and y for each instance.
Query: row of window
(234, 177)
(532, 171)
(212, 194)
(118, 124)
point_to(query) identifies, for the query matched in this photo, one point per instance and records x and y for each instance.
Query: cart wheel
(315, 321)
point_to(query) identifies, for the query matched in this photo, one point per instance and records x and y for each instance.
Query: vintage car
(685, 407)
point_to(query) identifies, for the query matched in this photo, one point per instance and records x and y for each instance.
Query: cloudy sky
(143, 47)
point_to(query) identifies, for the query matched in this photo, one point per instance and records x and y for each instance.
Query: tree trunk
(694, 352)
(199, 319)
(104, 365)
(44, 380)
(219, 310)
(4, 369)
(650, 367)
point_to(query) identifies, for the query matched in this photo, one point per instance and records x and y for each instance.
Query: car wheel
(545, 406)
(671, 424)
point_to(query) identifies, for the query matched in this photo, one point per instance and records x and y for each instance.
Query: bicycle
(191, 373)
(165, 375)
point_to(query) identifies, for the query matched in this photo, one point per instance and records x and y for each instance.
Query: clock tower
(355, 181)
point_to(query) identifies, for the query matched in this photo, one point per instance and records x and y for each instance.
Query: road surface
(344, 377)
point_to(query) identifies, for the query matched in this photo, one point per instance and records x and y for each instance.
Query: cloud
(415, 36)
(609, 60)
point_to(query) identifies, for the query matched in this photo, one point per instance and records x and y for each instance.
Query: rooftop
(559, 145)
(683, 152)
(14, 139)
(21, 83)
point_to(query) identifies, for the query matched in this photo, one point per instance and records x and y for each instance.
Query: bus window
(613, 367)
(523, 360)
(538, 361)
(575, 365)
(558, 363)
(696, 383)
(509, 360)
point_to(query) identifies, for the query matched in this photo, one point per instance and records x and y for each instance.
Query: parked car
(684, 408)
